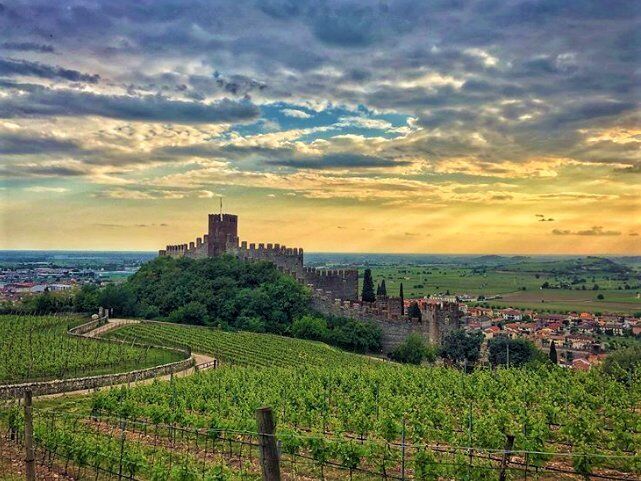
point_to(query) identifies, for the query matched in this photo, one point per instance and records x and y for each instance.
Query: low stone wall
(87, 327)
(10, 391)
(58, 386)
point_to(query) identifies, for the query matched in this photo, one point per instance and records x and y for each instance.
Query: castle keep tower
(223, 234)
(222, 238)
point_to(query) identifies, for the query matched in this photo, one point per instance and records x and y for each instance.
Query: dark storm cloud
(18, 144)
(47, 170)
(528, 76)
(27, 47)
(37, 101)
(9, 66)
(337, 161)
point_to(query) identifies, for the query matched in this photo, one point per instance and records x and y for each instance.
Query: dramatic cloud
(33, 101)
(10, 67)
(408, 112)
(338, 161)
(22, 144)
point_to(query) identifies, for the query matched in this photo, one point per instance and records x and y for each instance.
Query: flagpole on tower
(221, 205)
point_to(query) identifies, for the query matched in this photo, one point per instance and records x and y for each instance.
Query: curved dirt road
(199, 359)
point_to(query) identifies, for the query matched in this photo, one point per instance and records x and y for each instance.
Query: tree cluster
(350, 334)
(462, 348)
(515, 352)
(414, 351)
(221, 291)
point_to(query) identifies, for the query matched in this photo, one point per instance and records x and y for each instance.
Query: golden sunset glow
(388, 141)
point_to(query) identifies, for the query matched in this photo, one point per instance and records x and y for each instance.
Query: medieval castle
(333, 291)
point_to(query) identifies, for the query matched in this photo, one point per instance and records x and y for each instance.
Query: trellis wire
(236, 446)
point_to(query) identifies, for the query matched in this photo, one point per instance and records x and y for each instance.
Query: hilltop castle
(333, 291)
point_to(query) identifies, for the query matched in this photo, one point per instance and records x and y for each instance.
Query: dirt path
(199, 360)
(111, 325)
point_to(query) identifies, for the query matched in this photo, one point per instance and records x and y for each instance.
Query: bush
(120, 298)
(355, 335)
(623, 363)
(86, 299)
(413, 351)
(309, 327)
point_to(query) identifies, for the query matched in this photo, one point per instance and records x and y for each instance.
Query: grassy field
(520, 285)
(564, 299)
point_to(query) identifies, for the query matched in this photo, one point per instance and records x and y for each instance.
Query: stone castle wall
(437, 320)
(222, 238)
(334, 292)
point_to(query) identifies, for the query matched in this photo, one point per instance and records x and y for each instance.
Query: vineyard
(39, 348)
(340, 416)
(238, 348)
(551, 412)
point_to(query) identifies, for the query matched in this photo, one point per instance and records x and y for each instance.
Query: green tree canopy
(222, 291)
(518, 351)
(310, 327)
(459, 346)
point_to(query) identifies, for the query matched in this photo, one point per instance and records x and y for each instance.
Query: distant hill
(498, 260)
(580, 265)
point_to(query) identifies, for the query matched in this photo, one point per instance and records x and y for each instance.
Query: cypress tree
(402, 300)
(378, 290)
(383, 288)
(553, 356)
(368, 287)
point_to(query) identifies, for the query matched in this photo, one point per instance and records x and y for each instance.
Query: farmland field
(563, 299)
(39, 348)
(518, 284)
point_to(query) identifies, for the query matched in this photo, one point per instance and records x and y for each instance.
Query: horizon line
(503, 254)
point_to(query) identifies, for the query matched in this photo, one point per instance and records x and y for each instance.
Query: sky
(436, 126)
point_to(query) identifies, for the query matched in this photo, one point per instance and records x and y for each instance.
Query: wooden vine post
(269, 459)
(507, 452)
(30, 462)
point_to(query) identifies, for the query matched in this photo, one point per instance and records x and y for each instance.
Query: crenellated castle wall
(437, 319)
(334, 291)
(287, 259)
(341, 283)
